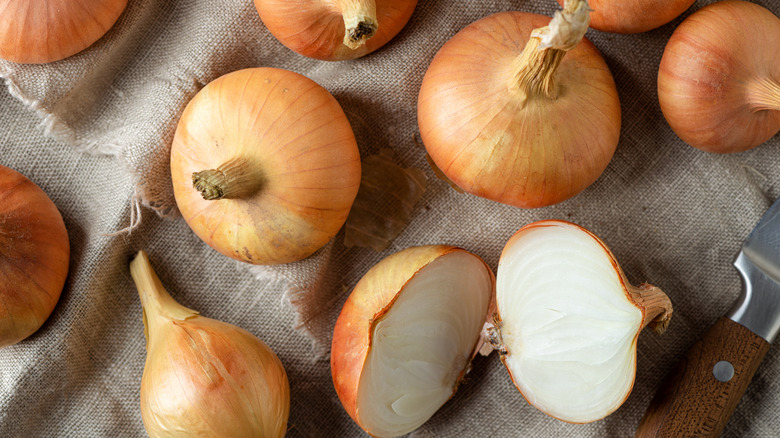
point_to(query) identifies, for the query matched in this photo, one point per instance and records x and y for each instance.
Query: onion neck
(236, 178)
(360, 22)
(533, 72)
(764, 94)
(158, 305)
(656, 306)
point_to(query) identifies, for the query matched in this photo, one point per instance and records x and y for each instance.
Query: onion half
(406, 336)
(567, 321)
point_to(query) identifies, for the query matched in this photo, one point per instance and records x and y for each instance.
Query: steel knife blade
(699, 395)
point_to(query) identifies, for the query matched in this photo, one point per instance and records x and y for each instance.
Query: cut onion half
(406, 335)
(567, 321)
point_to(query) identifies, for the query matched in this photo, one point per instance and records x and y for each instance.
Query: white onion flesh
(423, 344)
(567, 324)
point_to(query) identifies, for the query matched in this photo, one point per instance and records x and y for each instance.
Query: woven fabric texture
(94, 131)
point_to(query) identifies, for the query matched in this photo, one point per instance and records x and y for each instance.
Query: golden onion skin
(492, 143)
(41, 31)
(634, 16)
(716, 76)
(301, 143)
(34, 256)
(203, 377)
(315, 28)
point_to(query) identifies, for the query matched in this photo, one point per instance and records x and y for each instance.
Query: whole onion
(265, 166)
(520, 112)
(34, 256)
(40, 31)
(719, 78)
(334, 30)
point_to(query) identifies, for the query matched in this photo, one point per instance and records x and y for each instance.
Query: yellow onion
(567, 321)
(406, 336)
(34, 256)
(334, 30)
(519, 112)
(40, 31)
(265, 166)
(205, 377)
(634, 16)
(719, 78)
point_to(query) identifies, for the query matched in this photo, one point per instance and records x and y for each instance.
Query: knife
(699, 395)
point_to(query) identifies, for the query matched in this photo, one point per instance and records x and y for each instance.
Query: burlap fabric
(673, 215)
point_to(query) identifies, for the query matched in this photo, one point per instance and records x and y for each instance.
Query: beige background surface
(673, 215)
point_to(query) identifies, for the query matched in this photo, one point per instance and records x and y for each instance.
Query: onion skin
(34, 256)
(719, 78)
(634, 16)
(315, 28)
(41, 31)
(371, 299)
(205, 377)
(655, 306)
(300, 146)
(490, 142)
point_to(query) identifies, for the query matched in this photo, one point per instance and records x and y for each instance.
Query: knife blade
(699, 395)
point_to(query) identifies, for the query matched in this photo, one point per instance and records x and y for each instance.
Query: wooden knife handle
(691, 401)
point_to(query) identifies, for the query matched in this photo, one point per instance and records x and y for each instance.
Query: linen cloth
(674, 216)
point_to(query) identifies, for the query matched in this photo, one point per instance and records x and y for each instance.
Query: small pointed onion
(205, 377)
(633, 16)
(567, 321)
(265, 166)
(719, 78)
(334, 30)
(406, 336)
(34, 256)
(519, 112)
(41, 31)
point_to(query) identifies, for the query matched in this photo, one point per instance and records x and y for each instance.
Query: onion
(34, 256)
(719, 78)
(634, 16)
(334, 30)
(406, 335)
(509, 120)
(265, 166)
(567, 321)
(205, 377)
(40, 31)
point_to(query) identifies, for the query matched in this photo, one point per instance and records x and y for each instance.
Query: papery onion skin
(42, 31)
(634, 16)
(719, 78)
(489, 143)
(655, 307)
(300, 147)
(315, 28)
(205, 377)
(34, 256)
(369, 301)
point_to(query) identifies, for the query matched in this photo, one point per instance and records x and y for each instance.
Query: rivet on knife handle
(692, 402)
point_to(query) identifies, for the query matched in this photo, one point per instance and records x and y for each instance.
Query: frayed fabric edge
(55, 128)
(292, 296)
